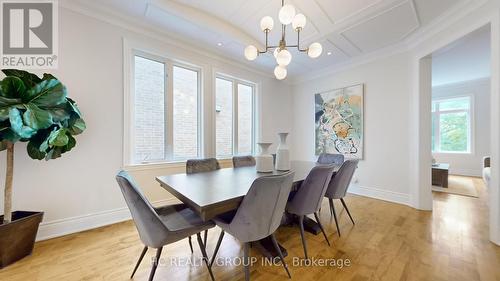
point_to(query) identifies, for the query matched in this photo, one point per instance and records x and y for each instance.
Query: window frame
(235, 82)
(169, 65)
(437, 129)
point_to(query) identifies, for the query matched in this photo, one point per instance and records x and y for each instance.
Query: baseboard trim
(57, 228)
(466, 172)
(381, 194)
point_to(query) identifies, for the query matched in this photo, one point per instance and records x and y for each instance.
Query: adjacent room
(250, 140)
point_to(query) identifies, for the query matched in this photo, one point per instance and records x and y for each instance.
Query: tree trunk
(8, 184)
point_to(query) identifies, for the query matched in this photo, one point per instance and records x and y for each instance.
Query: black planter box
(17, 238)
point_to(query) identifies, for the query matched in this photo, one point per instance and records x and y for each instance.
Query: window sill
(452, 153)
(155, 165)
(165, 165)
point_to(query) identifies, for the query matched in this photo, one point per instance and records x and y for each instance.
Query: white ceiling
(466, 59)
(346, 28)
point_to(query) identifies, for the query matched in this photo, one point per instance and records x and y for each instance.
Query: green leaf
(70, 145)
(3, 145)
(54, 153)
(74, 107)
(4, 114)
(76, 126)
(34, 151)
(9, 135)
(48, 76)
(47, 93)
(17, 125)
(37, 118)
(8, 102)
(58, 138)
(13, 87)
(29, 79)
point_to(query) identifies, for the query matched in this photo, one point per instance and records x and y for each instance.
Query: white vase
(264, 161)
(283, 154)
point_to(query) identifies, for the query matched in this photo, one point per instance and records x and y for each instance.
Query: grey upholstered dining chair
(328, 158)
(258, 216)
(158, 227)
(337, 188)
(194, 166)
(243, 161)
(308, 198)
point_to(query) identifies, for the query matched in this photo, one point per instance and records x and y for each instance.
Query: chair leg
(345, 207)
(321, 227)
(246, 261)
(190, 244)
(335, 217)
(277, 247)
(219, 241)
(139, 261)
(302, 235)
(205, 238)
(155, 264)
(330, 201)
(204, 253)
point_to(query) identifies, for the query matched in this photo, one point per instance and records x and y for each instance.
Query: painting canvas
(339, 122)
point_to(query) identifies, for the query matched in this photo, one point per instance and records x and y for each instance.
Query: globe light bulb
(266, 23)
(314, 50)
(251, 52)
(275, 53)
(284, 57)
(280, 72)
(286, 14)
(299, 21)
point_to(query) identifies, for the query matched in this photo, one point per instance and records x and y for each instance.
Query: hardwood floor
(388, 242)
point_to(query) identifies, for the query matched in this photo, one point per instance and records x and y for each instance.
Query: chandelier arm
(298, 42)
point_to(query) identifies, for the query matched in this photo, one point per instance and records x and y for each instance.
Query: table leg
(266, 248)
(310, 225)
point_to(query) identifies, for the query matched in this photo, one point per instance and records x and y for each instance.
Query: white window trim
(129, 113)
(236, 81)
(471, 121)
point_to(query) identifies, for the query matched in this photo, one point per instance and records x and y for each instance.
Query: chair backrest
(338, 185)
(243, 161)
(151, 230)
(308, 198)
(260, 212)
(201, 165)
(328, 158)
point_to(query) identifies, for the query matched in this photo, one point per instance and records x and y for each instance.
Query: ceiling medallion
(283, 56)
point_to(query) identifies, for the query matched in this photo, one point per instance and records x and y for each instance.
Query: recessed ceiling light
(219, 44)
(329, 53)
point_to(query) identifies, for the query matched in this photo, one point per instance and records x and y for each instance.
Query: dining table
(213, 193)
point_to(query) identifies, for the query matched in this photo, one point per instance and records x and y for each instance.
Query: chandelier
(283, 56)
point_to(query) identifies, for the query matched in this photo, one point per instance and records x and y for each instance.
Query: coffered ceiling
(346, 28)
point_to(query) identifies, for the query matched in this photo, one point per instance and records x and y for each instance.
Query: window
(235, 115)
(451, 125)
(166, 114)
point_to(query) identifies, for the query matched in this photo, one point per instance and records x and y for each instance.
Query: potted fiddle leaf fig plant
(37, 111)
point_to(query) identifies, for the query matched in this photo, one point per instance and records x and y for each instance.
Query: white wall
(465, 163)
(383, 172)
(78, 191)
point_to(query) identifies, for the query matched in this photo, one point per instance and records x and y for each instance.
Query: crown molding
(155, 33)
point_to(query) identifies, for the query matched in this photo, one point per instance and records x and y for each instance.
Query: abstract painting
(339, 122)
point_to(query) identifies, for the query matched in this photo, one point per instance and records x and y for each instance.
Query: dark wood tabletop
(217, 192)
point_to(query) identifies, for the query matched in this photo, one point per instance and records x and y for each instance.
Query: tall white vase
(283, 154)
(264, 161)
